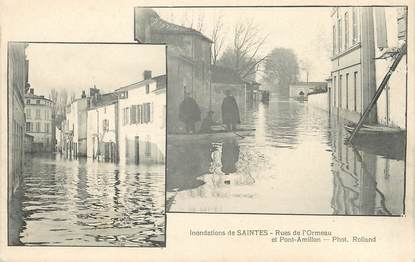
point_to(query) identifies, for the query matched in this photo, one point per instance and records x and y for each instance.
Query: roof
(29, 95)
(160, 25)
(308, 83)
(225, 75)
(104, 100)
(141, 83)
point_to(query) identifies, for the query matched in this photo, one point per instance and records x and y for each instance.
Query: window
(347, 91)
(147, 88)
(37, 113)
(47, 127)
(147, 112)
(339, 35)
(139, 114)
(28, 127)
(346, 30)
(28, 113)
(38, 102)
(106, 125)
(37, 127)
(355, 91)
(334, 93)
(340, 91)
(354, 22)
(126, 118)
(133, 114)
(28, 101)
(334, 40)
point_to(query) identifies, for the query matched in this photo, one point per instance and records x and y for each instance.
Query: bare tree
(218, 39)
(244, 54)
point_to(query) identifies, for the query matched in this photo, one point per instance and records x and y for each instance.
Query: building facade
(75, 128)
(189, 60)
(142, 121)
(360, 36)
(17, 84)
(102, 128)
(39, 121)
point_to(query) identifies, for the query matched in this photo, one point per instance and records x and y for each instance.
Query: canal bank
(296, 163)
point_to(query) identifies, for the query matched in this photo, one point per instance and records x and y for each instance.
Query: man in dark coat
(230, 111)
(189, 113)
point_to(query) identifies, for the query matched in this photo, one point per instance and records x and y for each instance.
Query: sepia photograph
(86, 144)
(283, 110)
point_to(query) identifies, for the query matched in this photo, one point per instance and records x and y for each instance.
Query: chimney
(83, 94)
(32, 91)
(147, 74)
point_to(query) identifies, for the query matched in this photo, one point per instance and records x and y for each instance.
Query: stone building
(189, 59)
(18, 68)
(39, 121)
(361, 38)
(142, 121)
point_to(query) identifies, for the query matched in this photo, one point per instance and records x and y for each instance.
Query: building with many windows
(142, 121)
(362, 38)
(39, 122)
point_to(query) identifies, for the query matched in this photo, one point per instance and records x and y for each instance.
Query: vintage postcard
(214, 131)
(86, 144)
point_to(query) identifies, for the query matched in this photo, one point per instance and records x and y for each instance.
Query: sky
(77, 67)
(305, 30)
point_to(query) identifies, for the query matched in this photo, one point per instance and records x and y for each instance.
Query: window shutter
(151, 112)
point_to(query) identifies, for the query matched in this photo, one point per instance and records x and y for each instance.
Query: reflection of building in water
(188, 55)
(360, 35)
(364, 183)
(142, 116)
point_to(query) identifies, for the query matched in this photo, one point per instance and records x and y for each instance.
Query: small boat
(373, 130)
(379, 140)
(214, 136)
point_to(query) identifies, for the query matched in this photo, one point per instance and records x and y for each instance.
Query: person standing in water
(189, 113)
(230, 111)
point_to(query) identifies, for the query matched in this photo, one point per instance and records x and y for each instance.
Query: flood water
(295, 163)
(85, 203)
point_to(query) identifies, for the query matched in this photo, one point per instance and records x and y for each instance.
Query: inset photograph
(284, 110)
(86, 144)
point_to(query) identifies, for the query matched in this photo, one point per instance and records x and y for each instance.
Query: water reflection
(297, 162)
(85, 203)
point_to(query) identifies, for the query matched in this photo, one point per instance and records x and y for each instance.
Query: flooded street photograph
(87, 146)
(270, 114)
(308, 170)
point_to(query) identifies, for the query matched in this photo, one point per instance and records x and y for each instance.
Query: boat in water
(386, 141)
